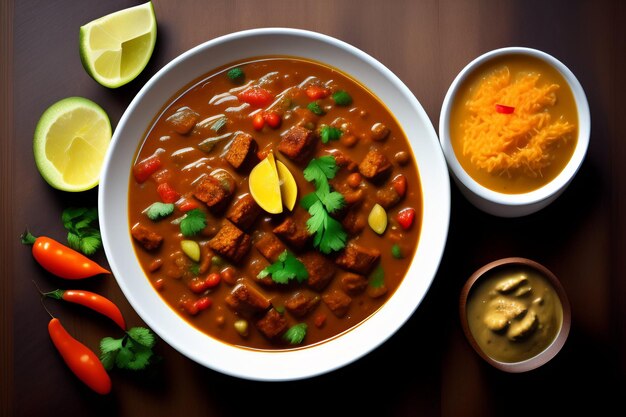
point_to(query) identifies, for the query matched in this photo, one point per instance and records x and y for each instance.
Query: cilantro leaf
(321, 169)
(91, 243)
(334, 237)
(124, 355)
(315, 108)
(133, 351)
(82, 235)
(329, 133)
(329, 234)
(295, 334)
(193, 222)
(142, 336)
(108, 359)
(159, 210)
(108, 344)
(287, 267)
(333, 201)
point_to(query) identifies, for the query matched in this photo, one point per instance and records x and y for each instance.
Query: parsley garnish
(315, 108)
(236, 75)
(295, 334)
(193, 222)
(342, 98)
(329, 133)
(396, 251)
(81, 234)
(285, 268)
(328, 233)
(133, 351)
(159, 210)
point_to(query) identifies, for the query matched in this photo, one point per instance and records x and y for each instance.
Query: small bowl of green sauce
(515, 314)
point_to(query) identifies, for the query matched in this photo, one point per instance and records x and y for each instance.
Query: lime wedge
(71, 140)
(265, 186)
(117, 47)
(288, 186)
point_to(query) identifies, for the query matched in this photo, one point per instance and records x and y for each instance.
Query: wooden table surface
(427, 368)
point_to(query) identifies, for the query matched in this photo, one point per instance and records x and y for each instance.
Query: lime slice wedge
(70, 142)
(265, 186)
(115, 48)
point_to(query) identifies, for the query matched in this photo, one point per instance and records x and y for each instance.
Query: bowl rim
(359, 346)
(549, 352)
(552, 188)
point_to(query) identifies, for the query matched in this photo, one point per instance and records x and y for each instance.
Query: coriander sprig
(133, 351)
(82, 233)
(286, 268)
(329, 234)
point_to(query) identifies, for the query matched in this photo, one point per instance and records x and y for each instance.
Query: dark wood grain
(6, 164)
(427, 368)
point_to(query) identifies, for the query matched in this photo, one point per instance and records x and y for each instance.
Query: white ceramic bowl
(515, 205)
(273, 365)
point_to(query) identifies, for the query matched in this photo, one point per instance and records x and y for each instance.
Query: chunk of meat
(375, 166)
(230, 242)
(358, 258)
(216, 189)
(270, 246)
(247, 300)
(387, 196)
(183, 120)
(293, 232)
(338, 302)
(320, 270)
(297, 143)
(242, 151)
(147, 238)
(244, 212)
(353, 284)
(272, 325)
(354, 221)
(301, 304)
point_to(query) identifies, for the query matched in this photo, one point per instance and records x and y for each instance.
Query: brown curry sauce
(183, 164)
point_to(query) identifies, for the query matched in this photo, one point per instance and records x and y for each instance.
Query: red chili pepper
(167, 193)
(406, 217)
(315, 92)
(400, 185)
(60, 260)
(500, 108)
(273, 119)
(143, 169)
(258, 121)
(80, 359)
(91, 300)
(256, 97)
(188, 205)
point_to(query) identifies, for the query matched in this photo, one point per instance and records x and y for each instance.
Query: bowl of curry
(515, 129)
(274, 204)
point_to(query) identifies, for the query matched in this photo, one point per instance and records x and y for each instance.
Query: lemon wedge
(114, 49)
(70, 142)
(288, 186)
(265, 186)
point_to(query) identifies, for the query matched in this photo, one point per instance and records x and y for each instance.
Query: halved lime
(115, 48)
(71, 140)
